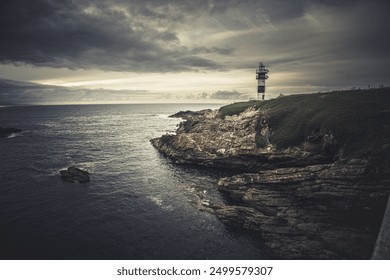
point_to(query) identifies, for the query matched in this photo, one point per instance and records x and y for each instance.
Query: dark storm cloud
(109, 35)
(115, 35)
(331, 43)
(146, 36)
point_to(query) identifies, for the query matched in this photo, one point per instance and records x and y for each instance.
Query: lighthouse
(261, 76)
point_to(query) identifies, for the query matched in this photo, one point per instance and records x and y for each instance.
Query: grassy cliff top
(358, 119)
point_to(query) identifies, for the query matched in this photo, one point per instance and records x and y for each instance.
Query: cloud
(224, 94)
(333, 43)
(15, 92)
(109, 35)
(119, 35)
(221, 95)
(308, 42)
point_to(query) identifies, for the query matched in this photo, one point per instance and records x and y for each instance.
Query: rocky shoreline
(325, 211)
(307, 201)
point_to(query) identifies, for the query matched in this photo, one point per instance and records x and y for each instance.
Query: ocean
(138, 205)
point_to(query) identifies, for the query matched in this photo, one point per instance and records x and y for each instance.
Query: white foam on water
(159, 202)
(13, 135)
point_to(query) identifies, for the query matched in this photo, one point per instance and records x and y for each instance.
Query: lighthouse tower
(261, 76)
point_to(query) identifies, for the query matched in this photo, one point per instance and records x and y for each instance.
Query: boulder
(74, 174)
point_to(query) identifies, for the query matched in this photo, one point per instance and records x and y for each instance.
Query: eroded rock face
(190, 114)
(237, 142)
(74, 174)
(315, 212)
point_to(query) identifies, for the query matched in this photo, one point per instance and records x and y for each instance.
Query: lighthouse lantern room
(261, 76)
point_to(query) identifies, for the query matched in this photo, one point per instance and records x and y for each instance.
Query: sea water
(138, 205)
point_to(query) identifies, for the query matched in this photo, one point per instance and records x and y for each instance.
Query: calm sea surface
(138, 205)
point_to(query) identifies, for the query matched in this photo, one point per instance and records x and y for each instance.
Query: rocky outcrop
(190, 114)
(327, 211)
(237, 142)
(74, 174)
(8, 131)
(304, 202)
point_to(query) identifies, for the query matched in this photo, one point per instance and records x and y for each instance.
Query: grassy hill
(358, 119)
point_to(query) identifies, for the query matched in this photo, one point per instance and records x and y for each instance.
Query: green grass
(237, 108)
(358, 119)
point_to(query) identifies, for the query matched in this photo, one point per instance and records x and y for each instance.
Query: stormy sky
(189, 49)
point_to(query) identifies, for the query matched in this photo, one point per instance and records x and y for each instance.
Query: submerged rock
(7, 131)
(74, 174)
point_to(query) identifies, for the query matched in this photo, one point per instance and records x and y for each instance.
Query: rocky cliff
(238, 142)
(319, 211)
(320, 195)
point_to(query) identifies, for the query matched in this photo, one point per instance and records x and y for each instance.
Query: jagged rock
(263, 133)
(74, 174)
(236, 142)
(320, 211)
(190, 114)
(7, 131)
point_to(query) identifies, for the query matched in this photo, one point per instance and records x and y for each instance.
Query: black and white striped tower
(261, 76)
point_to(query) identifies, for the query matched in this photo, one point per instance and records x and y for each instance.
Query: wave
(13, 135)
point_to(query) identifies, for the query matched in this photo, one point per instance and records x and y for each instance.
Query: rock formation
(317, 212)
(307, 200)
(7, 131)
(190, 114)
(74, 174)
(237, 142)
